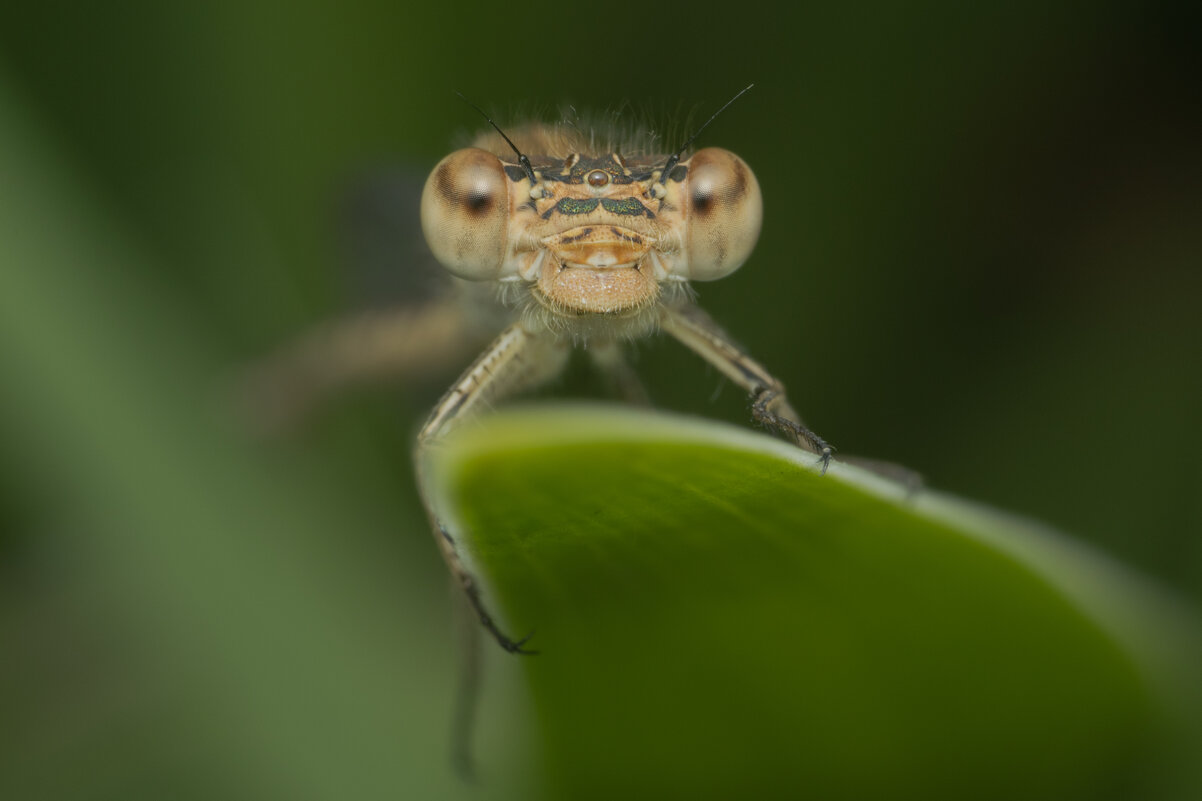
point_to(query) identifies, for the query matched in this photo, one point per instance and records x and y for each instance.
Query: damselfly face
(589, 232)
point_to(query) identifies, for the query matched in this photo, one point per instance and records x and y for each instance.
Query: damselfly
(564, 239)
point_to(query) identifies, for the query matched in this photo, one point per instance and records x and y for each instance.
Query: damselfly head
(589, 229)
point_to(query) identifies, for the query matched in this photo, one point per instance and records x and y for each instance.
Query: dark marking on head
(514, 173)
(572, 205)
(578, 169)
(626, 235)
(626, 206)
(679, 172)
(567, 240)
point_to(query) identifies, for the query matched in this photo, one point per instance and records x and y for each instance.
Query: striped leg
(515, 361)
(696, 331)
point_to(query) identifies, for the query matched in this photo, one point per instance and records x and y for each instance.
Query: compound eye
(465, 214)
(723, 212)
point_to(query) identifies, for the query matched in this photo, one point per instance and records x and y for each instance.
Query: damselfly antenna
(525, 162)
(675, 157)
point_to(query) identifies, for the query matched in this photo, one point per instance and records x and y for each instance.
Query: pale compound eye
(465, 214)
(723, 212)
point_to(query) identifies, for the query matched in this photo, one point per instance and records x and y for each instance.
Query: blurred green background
(980, 258)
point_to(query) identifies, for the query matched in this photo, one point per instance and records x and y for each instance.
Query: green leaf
(715, 619)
